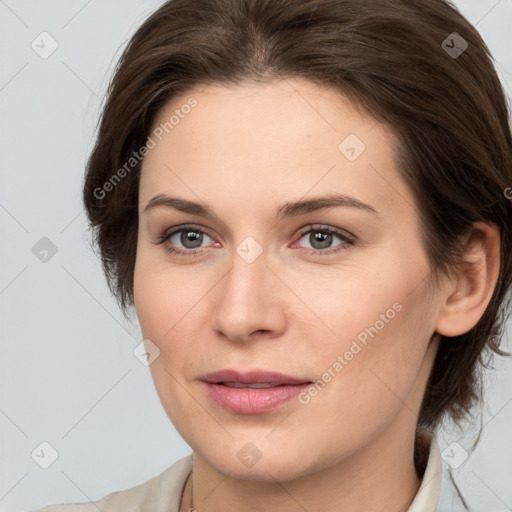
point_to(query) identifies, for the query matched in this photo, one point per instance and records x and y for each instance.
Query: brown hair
(393, 58)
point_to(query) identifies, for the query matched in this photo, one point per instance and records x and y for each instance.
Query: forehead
(282, 115)
(279, 139)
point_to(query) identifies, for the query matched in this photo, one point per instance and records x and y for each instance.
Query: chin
(267, 464)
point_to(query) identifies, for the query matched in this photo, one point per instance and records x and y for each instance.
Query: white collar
(427, 497)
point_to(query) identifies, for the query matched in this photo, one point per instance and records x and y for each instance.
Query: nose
(250, 301)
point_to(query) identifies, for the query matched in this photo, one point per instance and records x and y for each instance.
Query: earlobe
(476, 277)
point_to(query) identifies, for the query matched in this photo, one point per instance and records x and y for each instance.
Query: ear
(471, 290)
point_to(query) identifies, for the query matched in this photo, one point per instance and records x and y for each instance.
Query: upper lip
(254, 376)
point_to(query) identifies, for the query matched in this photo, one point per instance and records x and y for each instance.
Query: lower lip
(251, 400)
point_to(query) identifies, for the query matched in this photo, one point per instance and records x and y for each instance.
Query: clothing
(162, 493)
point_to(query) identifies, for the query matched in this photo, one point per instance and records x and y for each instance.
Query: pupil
(191, 236)
(323, 238)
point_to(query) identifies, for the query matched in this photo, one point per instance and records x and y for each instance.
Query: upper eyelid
(323, 227)
(191, 227)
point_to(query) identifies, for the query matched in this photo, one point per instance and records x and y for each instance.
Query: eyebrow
(288, 209)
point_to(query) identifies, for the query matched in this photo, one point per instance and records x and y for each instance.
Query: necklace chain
(192, 495)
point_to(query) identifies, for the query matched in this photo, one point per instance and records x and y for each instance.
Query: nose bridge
(248, 275)
(246, 301)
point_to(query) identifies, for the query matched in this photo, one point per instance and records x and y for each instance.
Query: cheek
(163, 305)
(163, 295)
(170, 306)
(380, 327)
(357, 308)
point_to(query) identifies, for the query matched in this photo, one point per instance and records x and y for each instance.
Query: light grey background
(68, 373)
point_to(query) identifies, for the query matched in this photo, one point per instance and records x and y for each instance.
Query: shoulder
(160, 493)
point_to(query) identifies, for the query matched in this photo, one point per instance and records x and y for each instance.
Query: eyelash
(348, 240)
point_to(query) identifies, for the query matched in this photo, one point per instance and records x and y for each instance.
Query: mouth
(252, 392)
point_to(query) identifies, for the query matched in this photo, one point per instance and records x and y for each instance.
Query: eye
(184, 240)
(321, 239)
(188, 240)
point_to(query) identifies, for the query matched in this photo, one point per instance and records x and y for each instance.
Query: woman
(305, 203)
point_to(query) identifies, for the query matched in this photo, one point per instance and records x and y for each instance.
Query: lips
(251, 392)
(252, 377)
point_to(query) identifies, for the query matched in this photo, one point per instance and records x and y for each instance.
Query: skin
(245, 150)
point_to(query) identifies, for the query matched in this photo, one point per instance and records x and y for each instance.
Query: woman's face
(337, 297)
